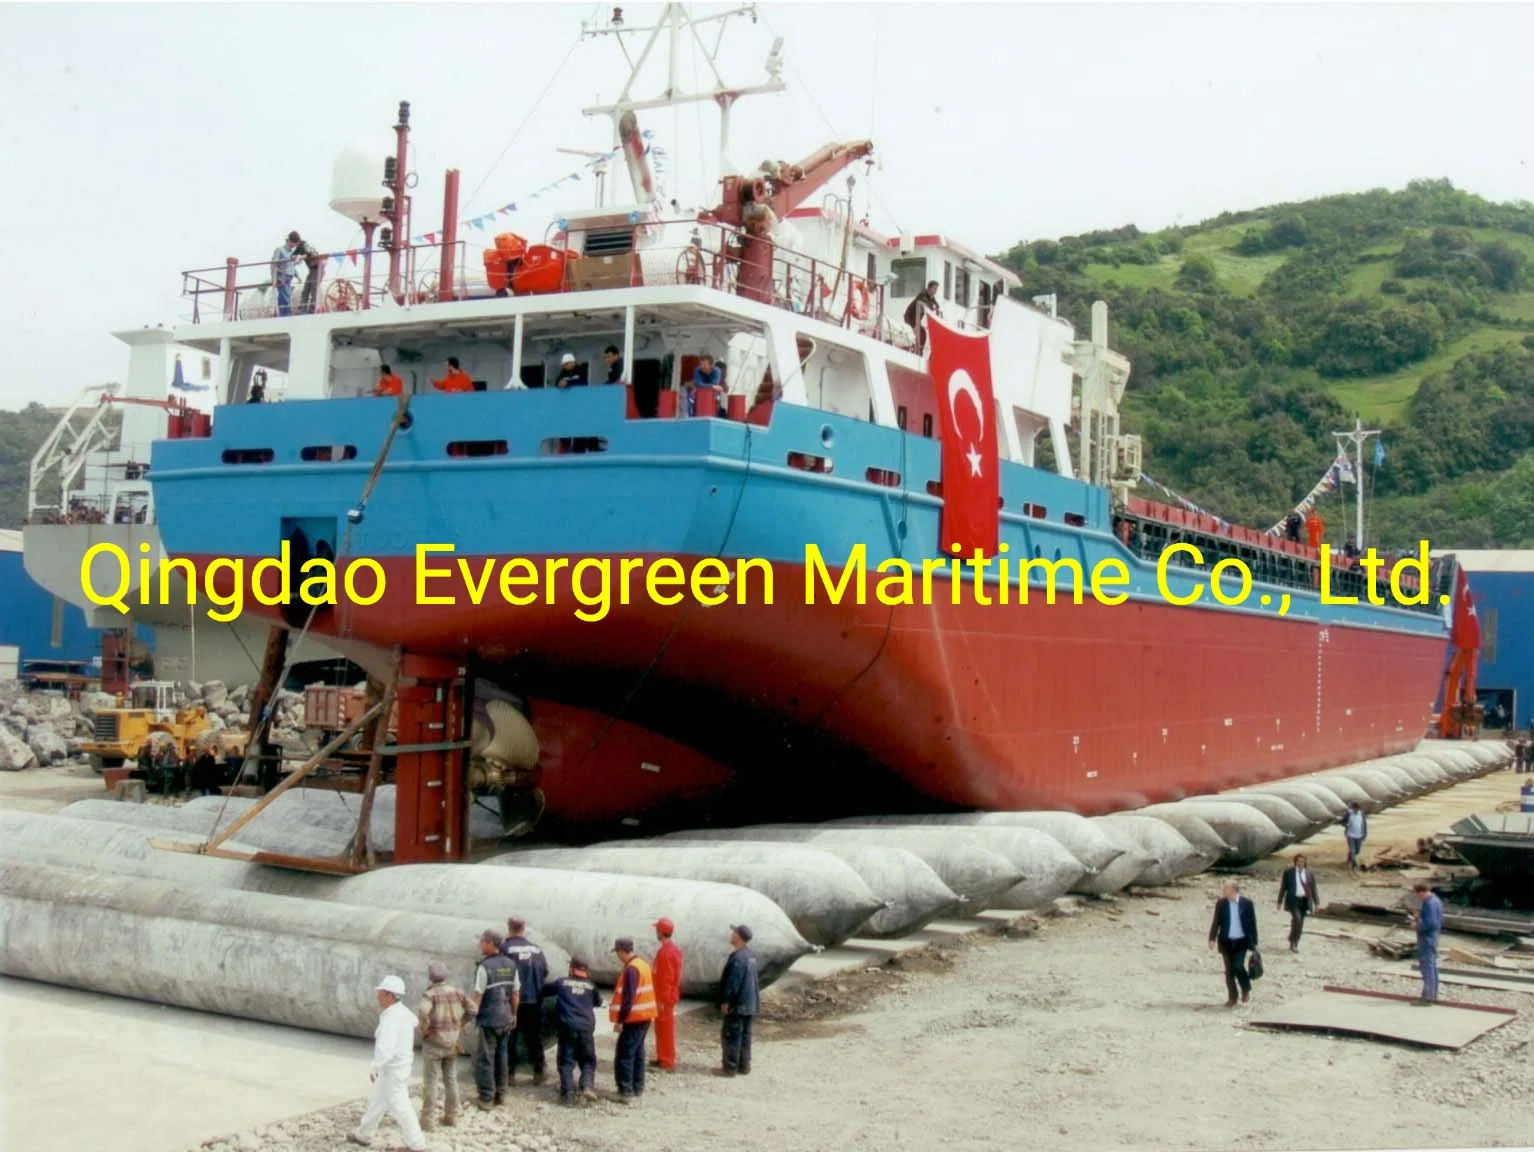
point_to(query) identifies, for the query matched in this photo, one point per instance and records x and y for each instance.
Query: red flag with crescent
(1465, 631)
(960, 365)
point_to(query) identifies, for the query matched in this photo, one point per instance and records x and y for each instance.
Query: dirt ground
(1104, 1028)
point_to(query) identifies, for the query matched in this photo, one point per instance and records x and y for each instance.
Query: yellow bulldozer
(149, 720)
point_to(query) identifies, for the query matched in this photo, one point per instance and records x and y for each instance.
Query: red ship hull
(1086, 707)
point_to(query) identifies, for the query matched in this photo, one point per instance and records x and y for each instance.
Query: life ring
(340, 296)
(857, 300)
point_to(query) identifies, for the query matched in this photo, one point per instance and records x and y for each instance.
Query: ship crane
(1460, 718)
(755, 203)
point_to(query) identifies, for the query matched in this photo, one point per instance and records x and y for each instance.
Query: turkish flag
(960, 365)
(1466, 629)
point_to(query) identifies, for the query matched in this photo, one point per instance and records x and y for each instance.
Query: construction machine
(148, 725)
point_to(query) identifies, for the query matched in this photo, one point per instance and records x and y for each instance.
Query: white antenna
(1357, 437)
(599, 167)
(673, 21)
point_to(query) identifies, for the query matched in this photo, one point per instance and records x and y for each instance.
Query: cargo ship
(845, 429)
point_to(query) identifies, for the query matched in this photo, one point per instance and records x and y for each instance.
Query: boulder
(46, 743)
(15, 754)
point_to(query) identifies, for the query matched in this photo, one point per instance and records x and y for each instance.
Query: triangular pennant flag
(431, 237)
(339, 258)
(477, 223)
(352, 256)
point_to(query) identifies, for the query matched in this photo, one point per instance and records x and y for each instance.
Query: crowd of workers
(505, 1008)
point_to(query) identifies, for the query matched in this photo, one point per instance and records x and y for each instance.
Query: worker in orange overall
(1315, 529)
(456, 380)
(388, 383)
(668, 990)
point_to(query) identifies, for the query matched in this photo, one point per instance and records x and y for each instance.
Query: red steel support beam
(430, 822)
(449, 236)
(231, 283)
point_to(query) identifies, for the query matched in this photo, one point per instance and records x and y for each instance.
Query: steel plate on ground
(1386, 1016)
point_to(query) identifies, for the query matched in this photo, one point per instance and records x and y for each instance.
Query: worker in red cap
(668, 990)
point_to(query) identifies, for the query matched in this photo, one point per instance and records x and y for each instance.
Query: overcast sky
(143, 140)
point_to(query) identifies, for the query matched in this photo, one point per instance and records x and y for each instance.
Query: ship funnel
(354, 189)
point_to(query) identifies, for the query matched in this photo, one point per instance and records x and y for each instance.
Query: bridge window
(248, 455)
(908, 276)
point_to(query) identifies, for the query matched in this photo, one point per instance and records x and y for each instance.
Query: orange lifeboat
(541, 272)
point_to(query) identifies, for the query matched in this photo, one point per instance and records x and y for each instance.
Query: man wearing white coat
(393, 1054)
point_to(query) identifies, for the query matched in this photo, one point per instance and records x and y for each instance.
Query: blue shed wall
(26, 618)
(1505, 603)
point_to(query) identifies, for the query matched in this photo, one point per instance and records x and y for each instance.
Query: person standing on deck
(1315, 529)
(532, 971)
(921, 304)
(388, 383)
(668, 991)
(456, 380)
(614, 360)
(1355, 826)
(1298, 895)
(739, 1002)
(1428, 921)
(393, 1053)
(284, 272)
(706, 377)
(315, 263)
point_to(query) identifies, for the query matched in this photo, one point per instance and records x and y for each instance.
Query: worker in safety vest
(631, 1010)
(668, 990)
(388, 383)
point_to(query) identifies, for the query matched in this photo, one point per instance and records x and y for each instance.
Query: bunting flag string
(1183, 502)
(483, 221)
(1341, 472)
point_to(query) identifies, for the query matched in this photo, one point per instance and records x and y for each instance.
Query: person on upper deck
(614, 365)
(925, 301)
(258, 388)
(705, 376)
(315, 263)
(388, 383)
(284, 271)
(1315, 529)
(571, 374)
(456, 380)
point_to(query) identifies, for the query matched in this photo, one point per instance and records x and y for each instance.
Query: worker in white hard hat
(393, 1052)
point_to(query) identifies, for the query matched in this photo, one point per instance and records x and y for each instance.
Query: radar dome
(356, 186)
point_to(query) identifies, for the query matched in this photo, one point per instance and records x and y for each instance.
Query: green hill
(1257, 334)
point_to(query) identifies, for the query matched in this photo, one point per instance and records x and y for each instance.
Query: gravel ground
(1105, 1028)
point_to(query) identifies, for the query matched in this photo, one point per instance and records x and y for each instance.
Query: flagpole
(1357, 437)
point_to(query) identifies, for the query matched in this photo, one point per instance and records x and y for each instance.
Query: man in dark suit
(1298, 895)
(1234, 931)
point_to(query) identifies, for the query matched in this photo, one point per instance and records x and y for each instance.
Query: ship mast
(1357, 437)
(674, 22)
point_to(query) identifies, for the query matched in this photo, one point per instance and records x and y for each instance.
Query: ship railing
(246, 289)
(800, 282)
(1148, 527)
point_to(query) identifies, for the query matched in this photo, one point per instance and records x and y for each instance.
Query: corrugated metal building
(1502, 586)
(35, 625)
